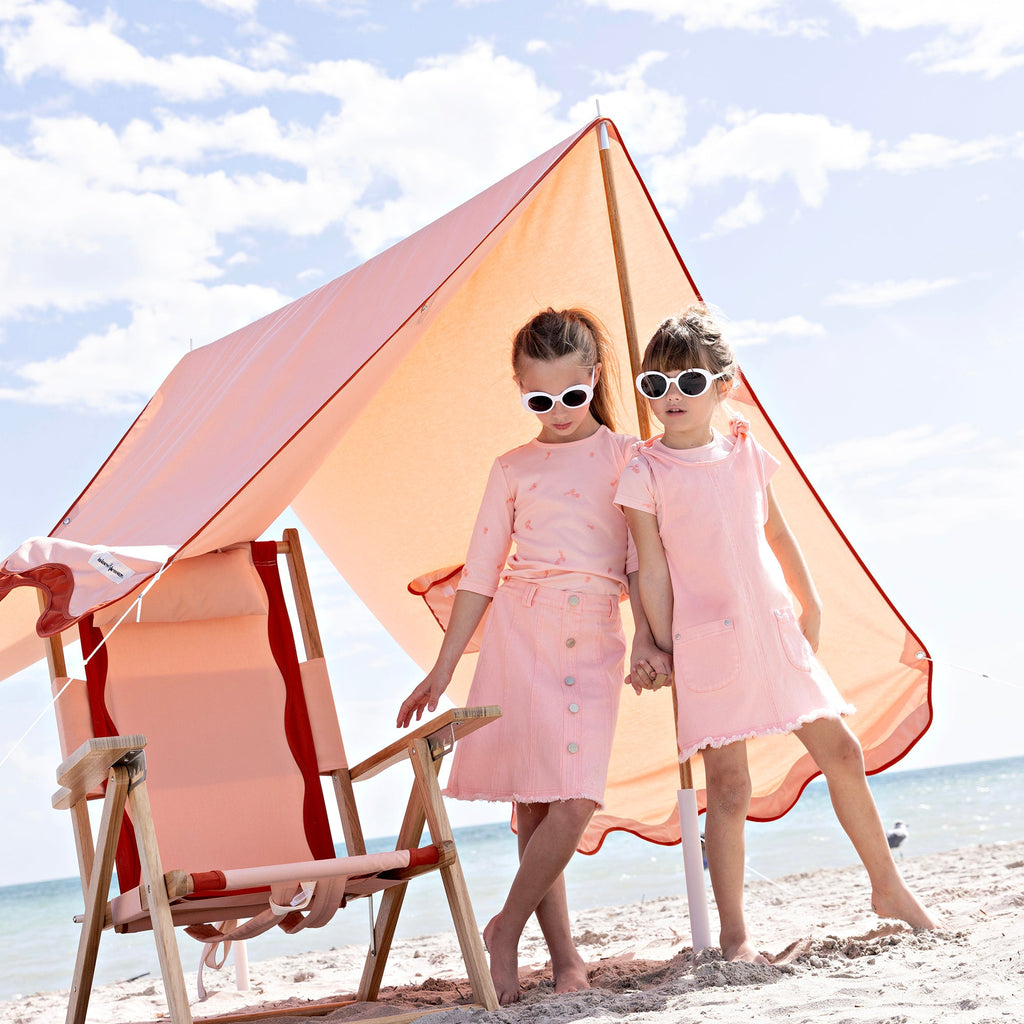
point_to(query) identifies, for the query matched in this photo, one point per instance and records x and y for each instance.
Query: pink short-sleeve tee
(551, 506)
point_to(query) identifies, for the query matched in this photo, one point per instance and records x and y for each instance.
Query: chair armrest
(446, 852)
(440, 733)
(88, 766)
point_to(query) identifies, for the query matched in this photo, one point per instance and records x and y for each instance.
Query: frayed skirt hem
(521, 798)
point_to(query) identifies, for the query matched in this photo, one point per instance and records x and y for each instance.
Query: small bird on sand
(897, 836)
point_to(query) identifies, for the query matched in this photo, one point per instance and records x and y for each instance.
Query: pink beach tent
(374, 407)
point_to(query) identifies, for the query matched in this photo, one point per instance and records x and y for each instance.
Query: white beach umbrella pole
(693, 859)
(693, 855)
(693, 869)
(241, 955)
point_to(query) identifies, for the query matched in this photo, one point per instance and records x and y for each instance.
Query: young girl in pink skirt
(717, 565)
(552, 650)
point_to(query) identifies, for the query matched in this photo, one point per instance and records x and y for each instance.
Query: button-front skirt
(553, 660)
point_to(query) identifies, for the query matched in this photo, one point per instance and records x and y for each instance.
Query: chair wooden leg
(82, 828)
(390, 906)
(454, 880)
(96, 895)
(159, 907)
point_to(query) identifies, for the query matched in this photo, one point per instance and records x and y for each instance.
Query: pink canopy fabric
(374, 407)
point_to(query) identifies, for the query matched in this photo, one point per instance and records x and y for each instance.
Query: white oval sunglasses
(573, 397)
(692, 383)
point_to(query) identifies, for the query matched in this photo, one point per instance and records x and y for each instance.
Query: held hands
(651, 667)
(425, 696)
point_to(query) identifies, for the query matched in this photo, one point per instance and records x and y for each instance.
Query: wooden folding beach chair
(206, 736)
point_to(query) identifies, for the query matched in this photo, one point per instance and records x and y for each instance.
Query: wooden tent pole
(632, 341)
(626, 296)
(688, 827)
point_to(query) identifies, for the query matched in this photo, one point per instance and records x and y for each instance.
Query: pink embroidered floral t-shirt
(551, 506)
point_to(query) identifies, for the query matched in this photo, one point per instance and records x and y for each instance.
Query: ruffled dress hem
(717, 742)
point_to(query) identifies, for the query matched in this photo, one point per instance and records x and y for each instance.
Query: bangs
(667, 352)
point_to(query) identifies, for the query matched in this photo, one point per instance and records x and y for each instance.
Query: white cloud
(806, 148)
(922, 149)
(981, 36)
(745, 213)
(71, 245)
(115, 369)
(698, 15)
(766, 148)
(238, 7)
(886, 456)
(922, 480)
(884, 293)
(341, 8)
(54, 37)
(131, 184)
(652, 119)
(270, 48)
(744, 333)
(387, 132)
(537, 46)
(145, 216)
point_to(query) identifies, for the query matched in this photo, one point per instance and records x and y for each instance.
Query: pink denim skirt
(553, 660)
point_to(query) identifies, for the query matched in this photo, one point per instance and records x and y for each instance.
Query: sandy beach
(834, 961)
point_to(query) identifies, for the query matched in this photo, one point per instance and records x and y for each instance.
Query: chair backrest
(212, 677)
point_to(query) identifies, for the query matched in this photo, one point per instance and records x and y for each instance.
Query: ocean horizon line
(380, 841)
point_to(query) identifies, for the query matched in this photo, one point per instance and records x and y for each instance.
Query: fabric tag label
(106, 563)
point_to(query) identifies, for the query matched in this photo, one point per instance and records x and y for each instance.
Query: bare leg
(552, 842)
(567, 966)
(838, 754)
(728, 787)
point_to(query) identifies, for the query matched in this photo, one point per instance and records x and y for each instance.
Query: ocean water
(945, 808)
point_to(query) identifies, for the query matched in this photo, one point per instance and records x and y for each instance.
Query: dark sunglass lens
(541, 403)
(574, 399)
(692, 384)
(653, 387)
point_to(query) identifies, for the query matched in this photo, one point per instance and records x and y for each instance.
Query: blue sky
(841, 177)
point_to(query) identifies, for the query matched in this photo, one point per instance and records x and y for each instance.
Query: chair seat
(215, 898)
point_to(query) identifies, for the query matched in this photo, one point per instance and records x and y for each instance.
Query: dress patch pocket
(794, 643)
(707, 657)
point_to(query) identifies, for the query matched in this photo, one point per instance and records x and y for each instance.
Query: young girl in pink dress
(717, 566)
(552, 650)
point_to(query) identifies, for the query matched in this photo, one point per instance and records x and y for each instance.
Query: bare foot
(504, 950)
(570, 977)
(902, 904)
(742, 952)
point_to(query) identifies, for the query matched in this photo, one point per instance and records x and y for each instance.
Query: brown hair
(553, 334)
(692, 339)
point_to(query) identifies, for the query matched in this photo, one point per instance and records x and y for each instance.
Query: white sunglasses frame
(669, 381)
(587, 389)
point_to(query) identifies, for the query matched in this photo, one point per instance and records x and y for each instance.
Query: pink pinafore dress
(742, 666)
